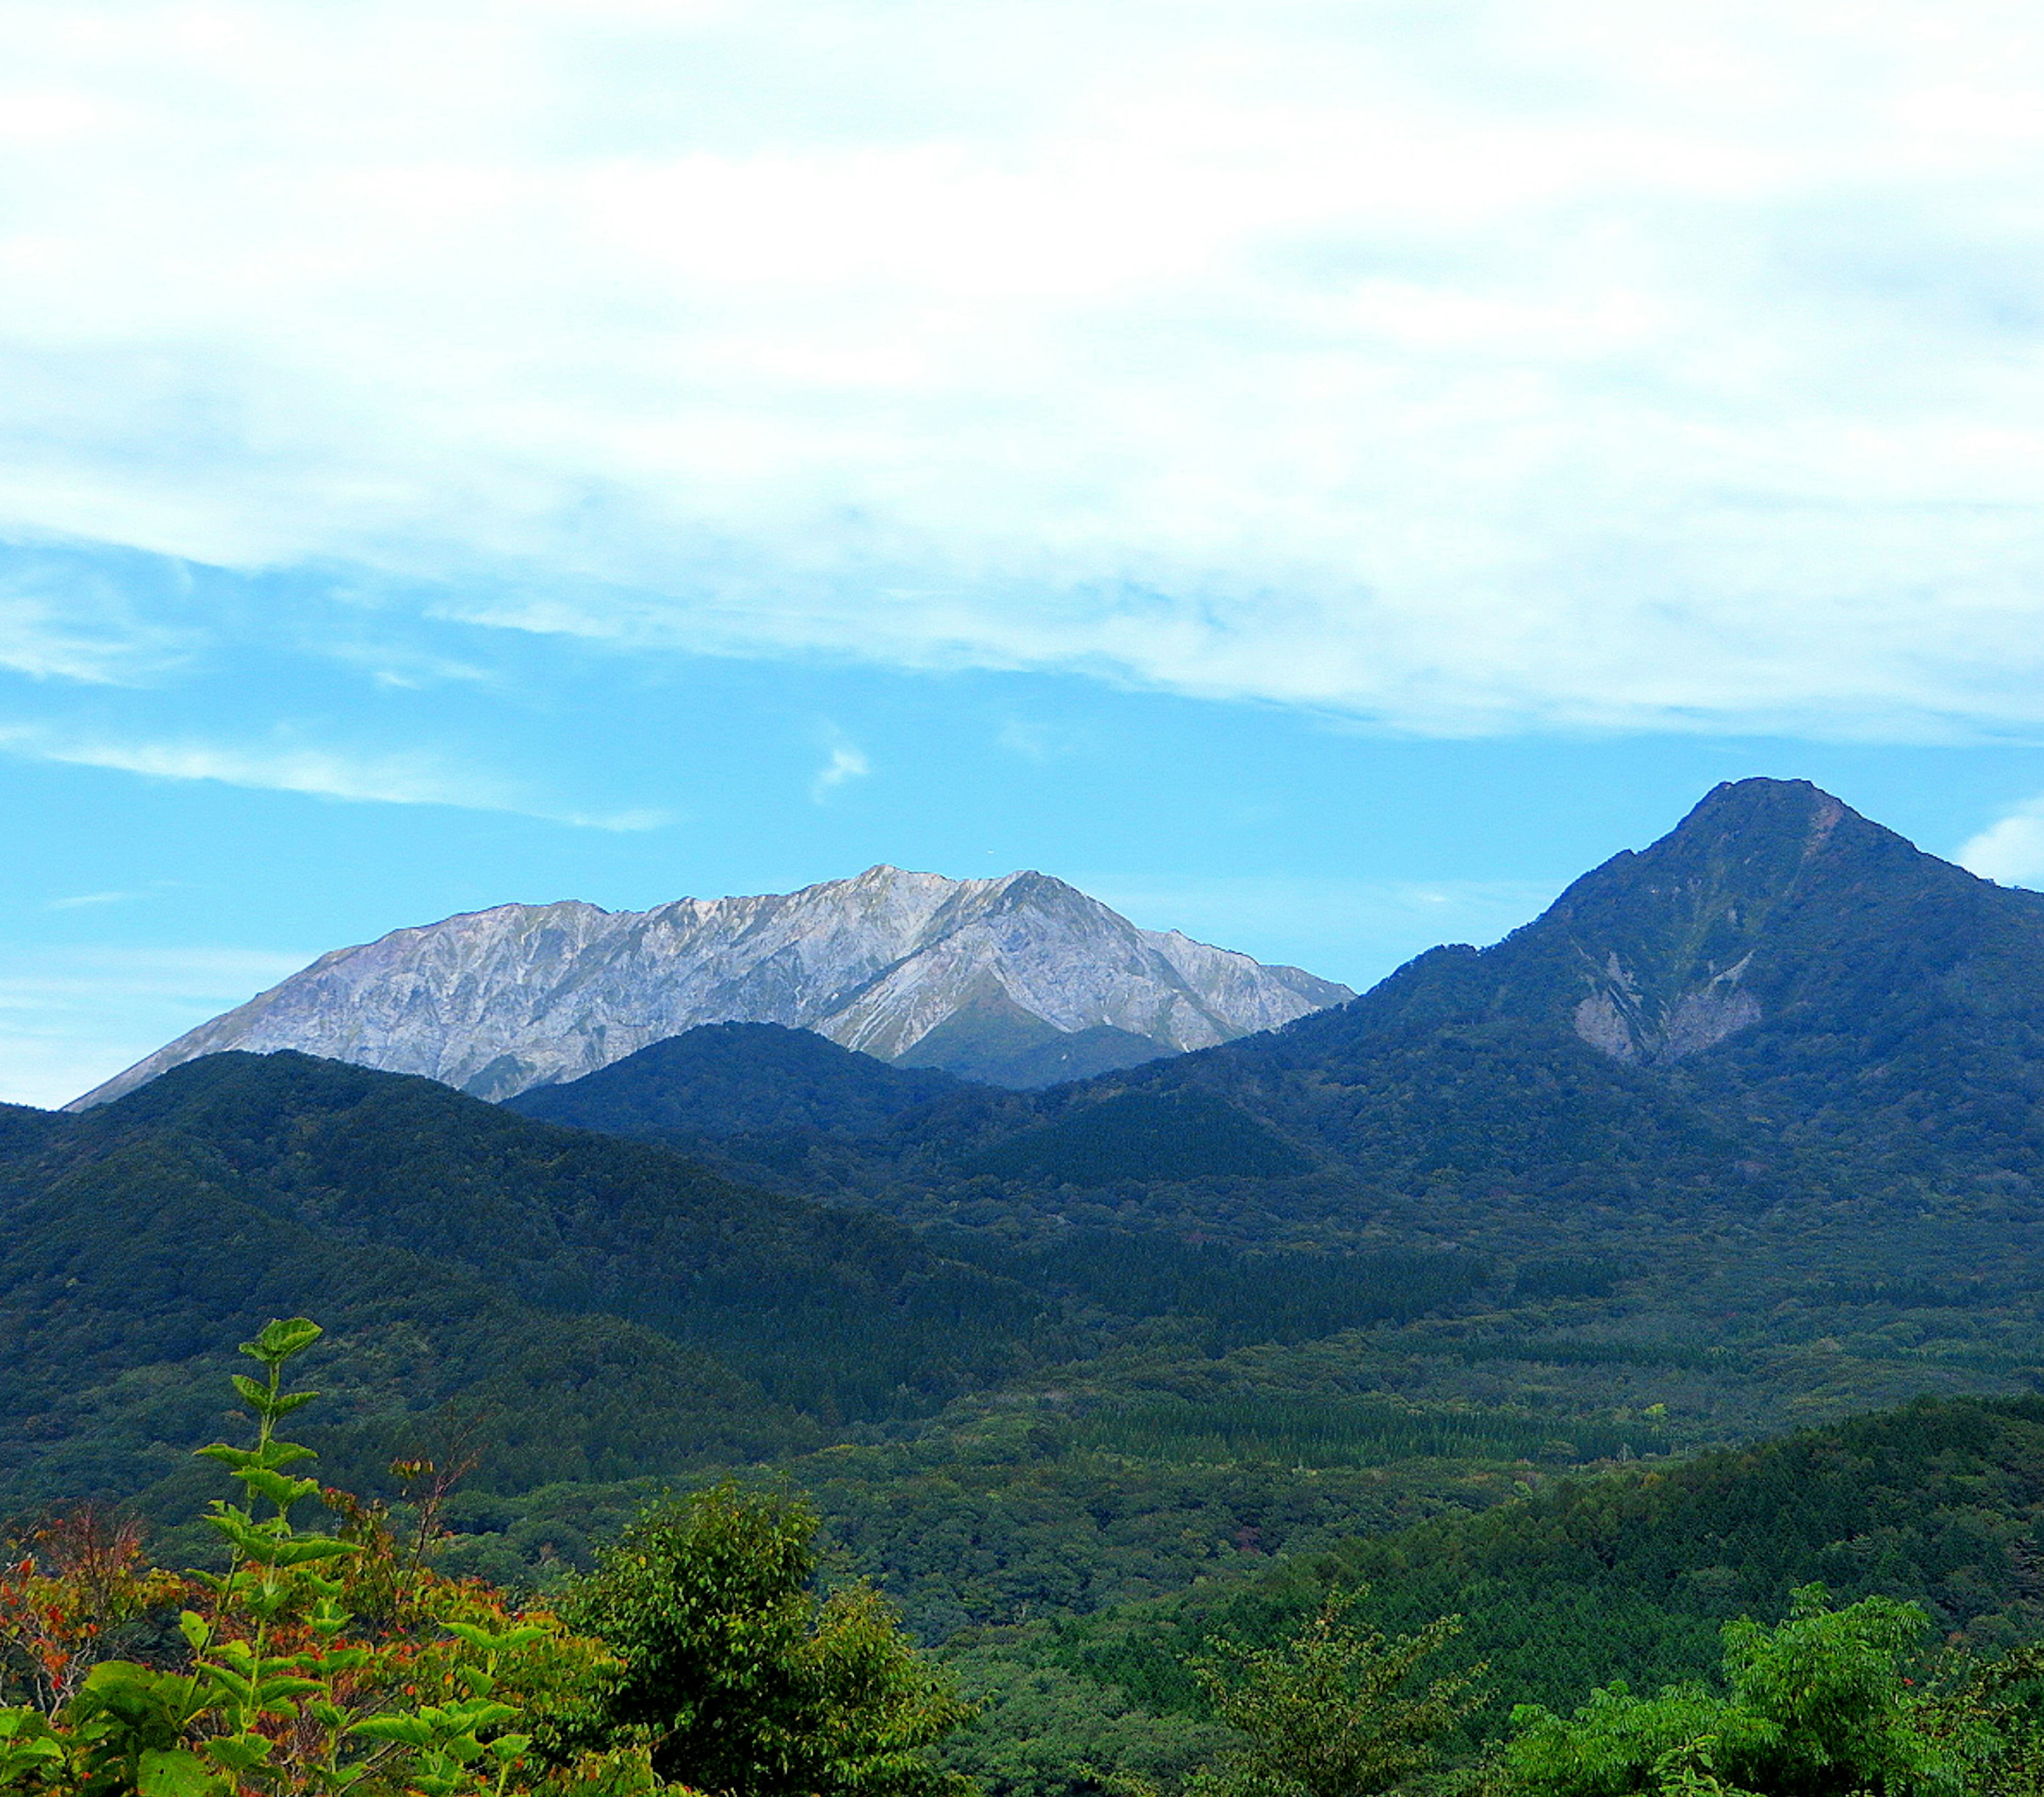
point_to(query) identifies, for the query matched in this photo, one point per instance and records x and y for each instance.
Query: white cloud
(73, 622)
(845, 762)
(2011, 851)
(400, 779)
(1471, 366)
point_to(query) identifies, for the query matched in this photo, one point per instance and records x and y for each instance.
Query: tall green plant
(1820, 1707)
(283, 1696)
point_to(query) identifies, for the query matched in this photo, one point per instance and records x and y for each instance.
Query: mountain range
(1777, 993)
(1745, 1129)
(1745, 1133)
(1022, 981)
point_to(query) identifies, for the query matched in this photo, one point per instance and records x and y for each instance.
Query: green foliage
(1335, 1712)
(1818, 1707)
(738, 1079)
(740, 1676)
(1232, 1298)
(1168, 1135)
(1352, 1432)
(278, 1689)
(1042, 1731)
(335, 1664)
(1632, 1575)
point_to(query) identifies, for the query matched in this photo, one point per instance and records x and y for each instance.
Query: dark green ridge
(1631, 1575)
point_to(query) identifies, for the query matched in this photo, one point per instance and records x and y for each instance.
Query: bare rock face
(1618, 1020)
(497, 1001)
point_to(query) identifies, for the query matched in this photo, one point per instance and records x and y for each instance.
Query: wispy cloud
(69, 621)
(1467, 367)
(847, 761)
(404, 780)
(84, 901)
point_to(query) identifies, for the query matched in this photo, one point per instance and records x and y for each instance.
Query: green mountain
(1628, 1576)
(736, 1079)
(1777, 997)
(1741, 1132)
(1789, 966)
(621, 1310)
(613, 1307)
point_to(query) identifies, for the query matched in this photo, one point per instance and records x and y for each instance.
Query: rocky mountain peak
(1672, 945)
(1772, 912)
(980, 978)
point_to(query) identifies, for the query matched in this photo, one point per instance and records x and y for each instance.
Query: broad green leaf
(302, 1550)
(280, 1690)
(407, 1731)
(280, 1488)
(276, 1453)
(175, 1771)
(226, 1455)
(239, 1753)
(283, 1338)
(257, 1394)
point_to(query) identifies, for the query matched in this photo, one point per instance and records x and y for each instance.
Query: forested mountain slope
(1629, 1576)
(734, 1079)
(1787, 963)
(427, 1226)
(1777, 1001)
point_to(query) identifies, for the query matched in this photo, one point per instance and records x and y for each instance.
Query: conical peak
(1764, 807)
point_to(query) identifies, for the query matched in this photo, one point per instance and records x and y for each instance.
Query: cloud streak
(1465, 368)
(402, 780)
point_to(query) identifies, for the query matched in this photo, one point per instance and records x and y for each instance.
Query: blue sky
(1316, 475)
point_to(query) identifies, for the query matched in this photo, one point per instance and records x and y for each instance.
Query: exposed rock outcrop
(497, 1001)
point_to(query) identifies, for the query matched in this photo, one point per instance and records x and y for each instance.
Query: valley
(1741, 1137)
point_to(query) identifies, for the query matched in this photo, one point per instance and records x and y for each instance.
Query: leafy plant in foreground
(1818, 1707)
(283, 1692)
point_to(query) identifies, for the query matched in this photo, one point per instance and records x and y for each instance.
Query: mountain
(733, 1079)
(617, 1309)
(997, 978)
(1777, 976)
(1794, 969)
(613, 1308)
(1778, 1002)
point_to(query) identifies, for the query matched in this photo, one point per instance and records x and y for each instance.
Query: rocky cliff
(984, 972)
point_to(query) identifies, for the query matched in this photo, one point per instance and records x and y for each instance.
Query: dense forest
(712, 1648)
(1468, 1298)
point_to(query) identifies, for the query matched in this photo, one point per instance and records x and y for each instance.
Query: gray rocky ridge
(497, 1001)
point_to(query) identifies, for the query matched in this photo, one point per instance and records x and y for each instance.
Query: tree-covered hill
(617, 1309)
(1628, 1576)
(733, 1079)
